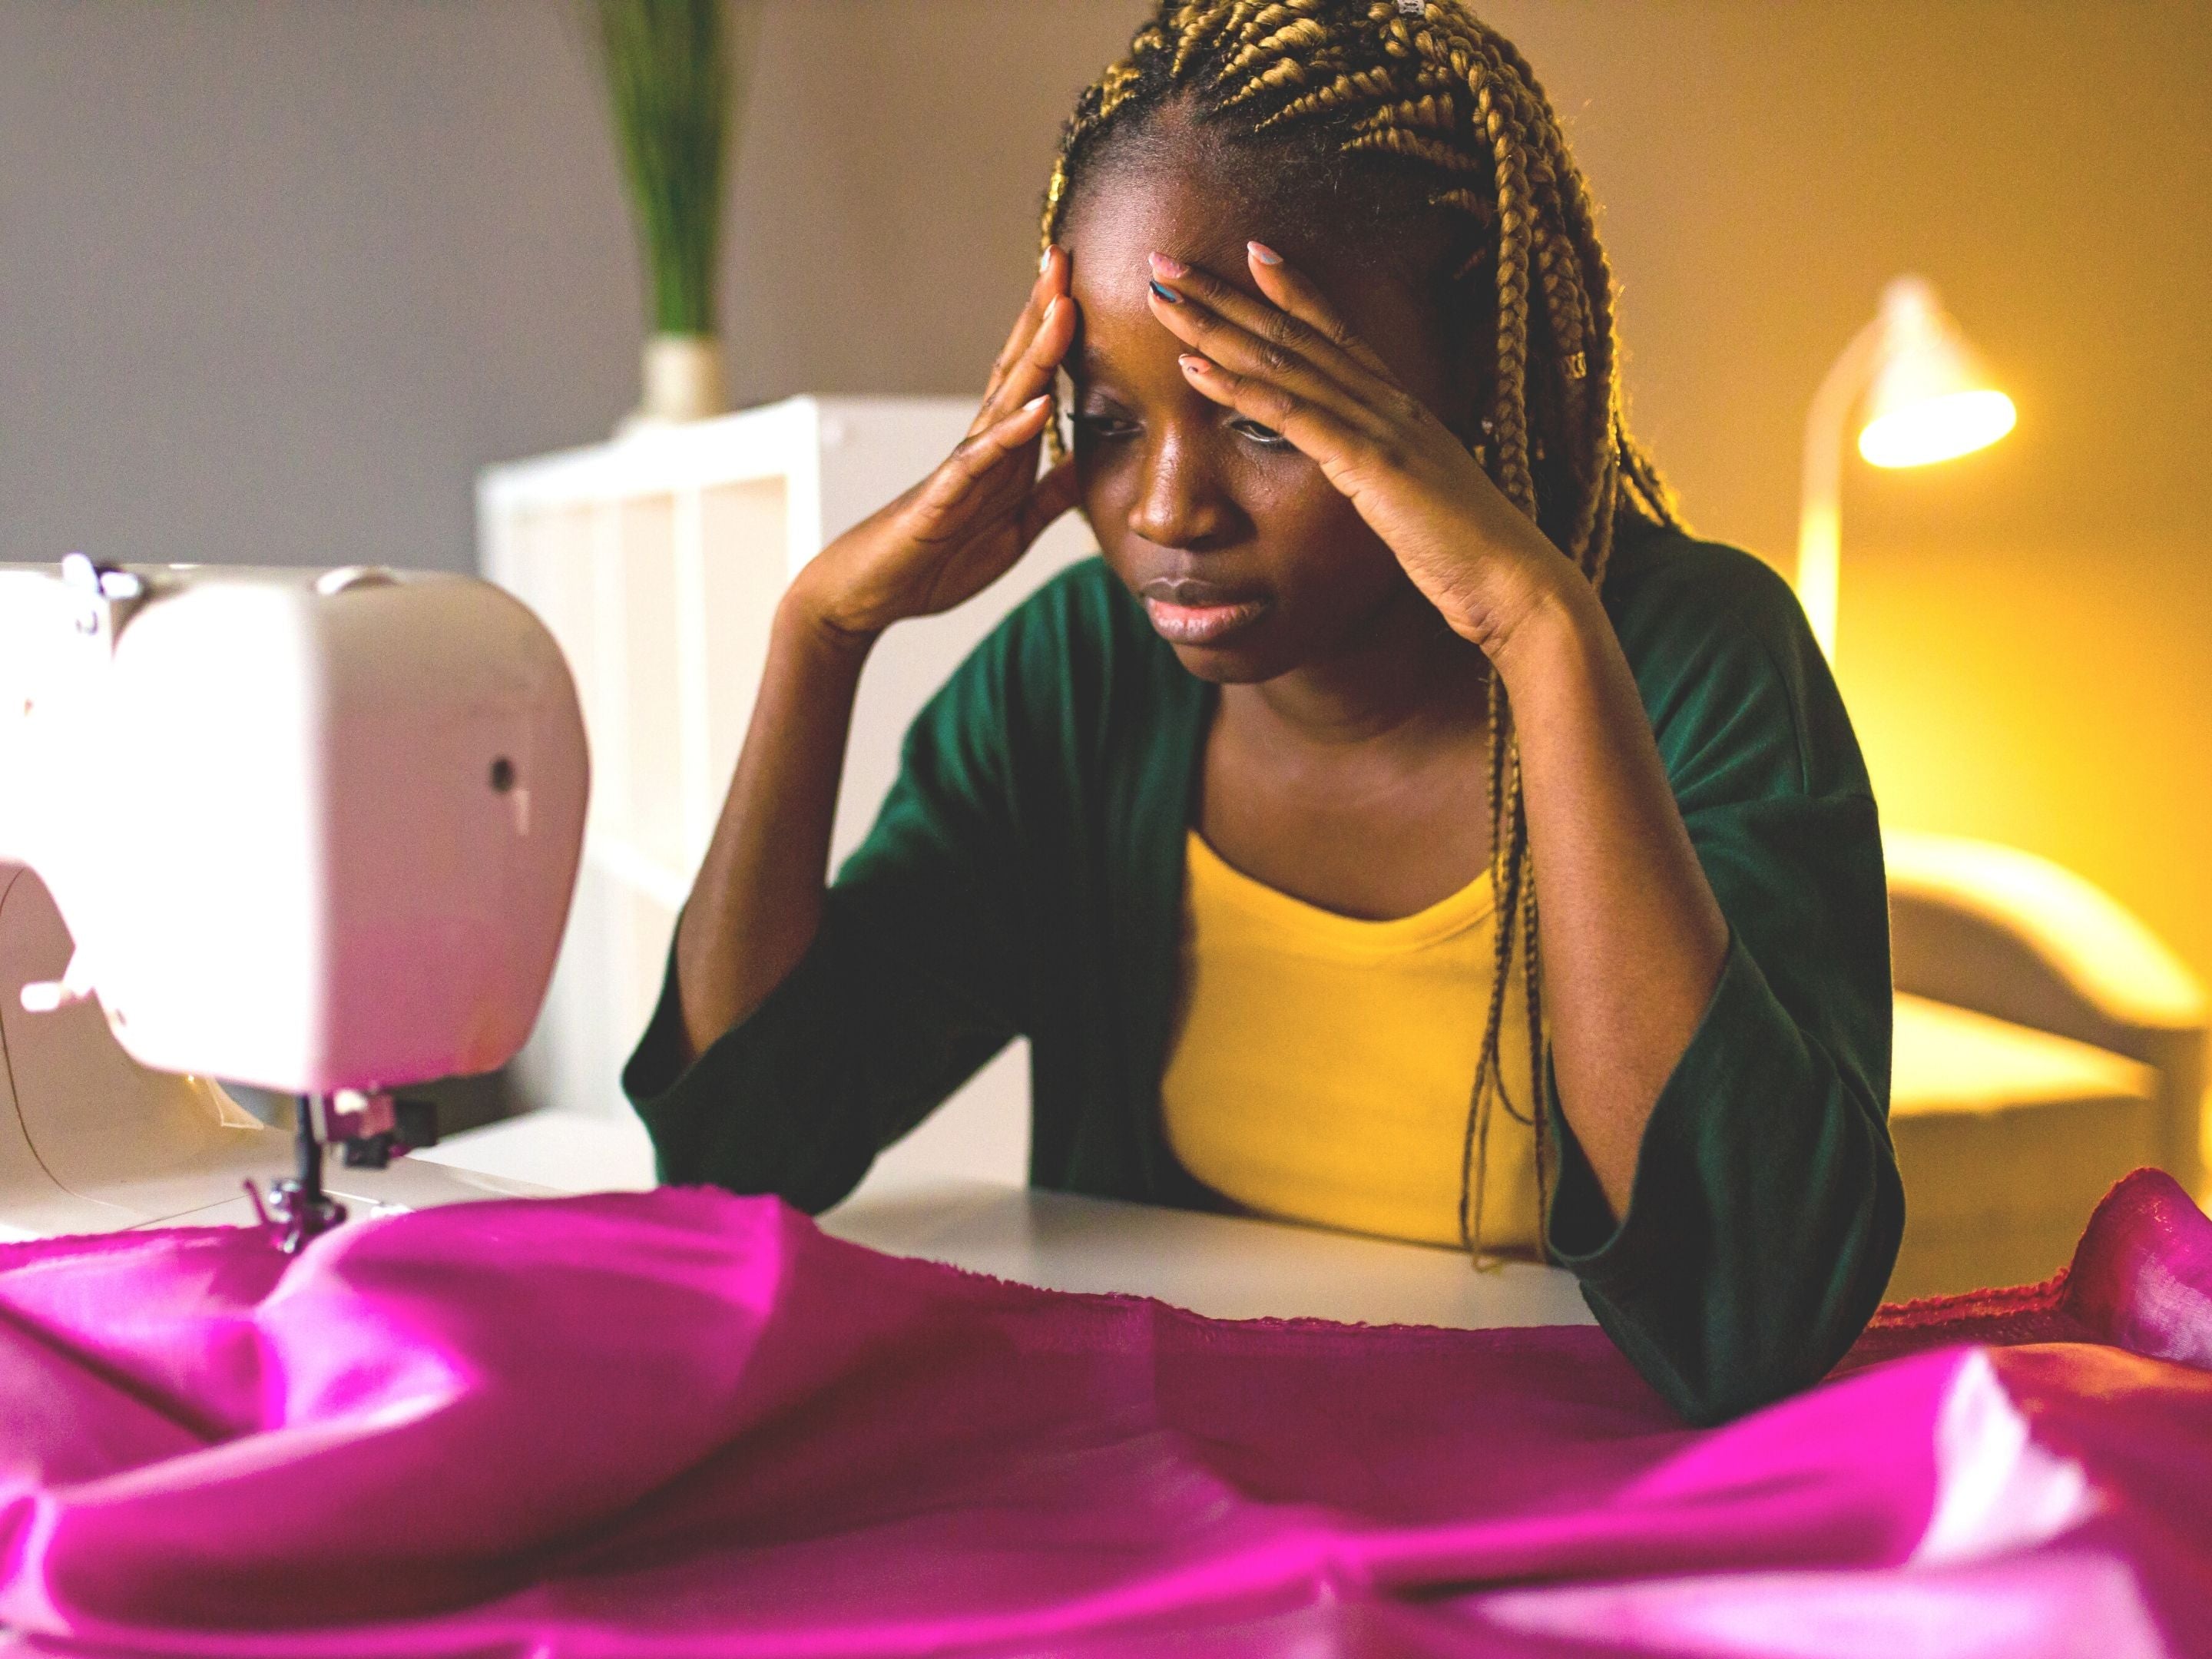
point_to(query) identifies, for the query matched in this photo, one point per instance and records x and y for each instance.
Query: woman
(1404, 825)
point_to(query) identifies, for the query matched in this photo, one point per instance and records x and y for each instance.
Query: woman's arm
(914, 975)
(757, 901)
(760, 886)
(1632, 936)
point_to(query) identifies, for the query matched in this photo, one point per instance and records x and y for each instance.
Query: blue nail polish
(1165, 292)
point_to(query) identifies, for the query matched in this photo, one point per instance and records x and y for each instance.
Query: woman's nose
(1180, 502)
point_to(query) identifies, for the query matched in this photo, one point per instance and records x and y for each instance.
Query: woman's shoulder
(1726, 662)
(1082, 608)
(1077, 618)
(1666, 590)
(1073, 661)
(1081, 638)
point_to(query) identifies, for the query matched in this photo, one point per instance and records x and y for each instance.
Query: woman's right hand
(965, 525)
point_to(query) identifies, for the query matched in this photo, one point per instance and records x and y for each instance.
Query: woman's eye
(1104, 426)
(1265, 436)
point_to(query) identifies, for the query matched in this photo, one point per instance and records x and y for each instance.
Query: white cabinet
(657, 562)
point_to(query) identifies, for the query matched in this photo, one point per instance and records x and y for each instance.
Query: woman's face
(1192, 501)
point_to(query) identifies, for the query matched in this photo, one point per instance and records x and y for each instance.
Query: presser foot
(295, 1212)
(369, 1129)
(300, 1208)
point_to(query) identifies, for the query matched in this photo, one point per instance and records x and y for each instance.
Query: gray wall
(277, 276)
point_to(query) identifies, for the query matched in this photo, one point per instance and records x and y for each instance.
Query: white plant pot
(682, 381)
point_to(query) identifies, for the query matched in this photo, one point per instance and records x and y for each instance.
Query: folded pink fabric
(683, 1422)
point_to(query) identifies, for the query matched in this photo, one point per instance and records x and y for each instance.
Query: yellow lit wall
(2024, 635)
(2051, 698)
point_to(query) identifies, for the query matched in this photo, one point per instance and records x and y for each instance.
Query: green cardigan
(1025, 875)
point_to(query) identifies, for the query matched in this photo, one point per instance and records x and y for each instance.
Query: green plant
(669, 67)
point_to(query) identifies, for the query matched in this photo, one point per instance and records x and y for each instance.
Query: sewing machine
(314, 832)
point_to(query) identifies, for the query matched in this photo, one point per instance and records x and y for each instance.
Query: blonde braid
(1295, 34)
(1522, 177)
(1540, 1057)
(1428, 112)
(1501, 789)
(1510, 396)
(1401, 142)
(1454, 108)
(1350, 86)
(1531, 989)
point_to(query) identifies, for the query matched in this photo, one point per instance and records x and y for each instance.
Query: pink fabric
(681, 1423)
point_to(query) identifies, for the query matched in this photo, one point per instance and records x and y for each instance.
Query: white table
(1224, 1267)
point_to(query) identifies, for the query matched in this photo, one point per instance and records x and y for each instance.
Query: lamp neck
(1819, 511)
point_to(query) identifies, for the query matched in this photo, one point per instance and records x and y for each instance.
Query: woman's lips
(1201, 624)
(1191, 609)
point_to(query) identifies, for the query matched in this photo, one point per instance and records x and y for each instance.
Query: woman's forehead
(1128, 216)
(1192, 214)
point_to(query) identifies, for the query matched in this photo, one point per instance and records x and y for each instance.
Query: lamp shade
(1930, 398)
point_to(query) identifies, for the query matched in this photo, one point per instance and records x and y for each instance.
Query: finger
(1333, 444)
(1040, 295)
(1359, 372)
(1033, 371)
(1241, 352)
(979, 458)
(1293, 291)
(1051, 281)
(1054, 493)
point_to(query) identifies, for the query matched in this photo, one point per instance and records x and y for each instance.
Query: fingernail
(1053, 307)
(1195, 365)
(1264, 254)
(1044, 260)
(1167, 267)
(1036, 403)
(1166, 292)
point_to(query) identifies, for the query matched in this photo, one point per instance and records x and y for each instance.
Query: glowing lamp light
(1931, 400)
(1938, 429)
(1923, 396)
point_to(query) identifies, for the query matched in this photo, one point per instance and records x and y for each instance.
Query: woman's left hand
(1295, 366)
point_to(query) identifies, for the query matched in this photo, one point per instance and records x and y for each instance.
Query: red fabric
(682, 1423)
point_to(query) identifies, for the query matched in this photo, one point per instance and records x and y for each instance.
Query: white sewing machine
(315, 833)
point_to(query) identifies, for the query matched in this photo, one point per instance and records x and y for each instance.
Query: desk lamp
(1925, 398)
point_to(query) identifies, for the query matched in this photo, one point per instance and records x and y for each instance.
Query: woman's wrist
(1552, 611)
(809, 618)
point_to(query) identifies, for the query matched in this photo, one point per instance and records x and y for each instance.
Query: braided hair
(1383, 114)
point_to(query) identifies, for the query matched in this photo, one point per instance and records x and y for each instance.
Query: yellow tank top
(1321, 1066)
